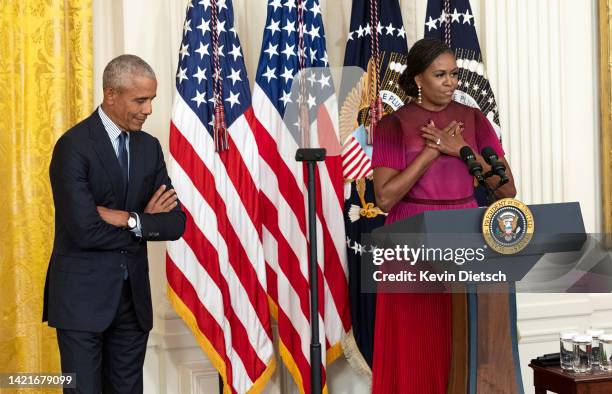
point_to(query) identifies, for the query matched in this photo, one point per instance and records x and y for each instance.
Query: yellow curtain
(46, 66)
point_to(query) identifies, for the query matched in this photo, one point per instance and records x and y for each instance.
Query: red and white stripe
(283, 199)
(217, 268)
(355, 163)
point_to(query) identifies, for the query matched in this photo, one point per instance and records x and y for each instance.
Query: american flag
(283, 188)
(216, 272)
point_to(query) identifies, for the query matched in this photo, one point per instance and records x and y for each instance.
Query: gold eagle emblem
(355, 111)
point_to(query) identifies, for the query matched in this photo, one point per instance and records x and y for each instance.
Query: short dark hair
(420, 56)
(119, 70)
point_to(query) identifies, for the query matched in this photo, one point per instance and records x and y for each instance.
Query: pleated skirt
(413, 332)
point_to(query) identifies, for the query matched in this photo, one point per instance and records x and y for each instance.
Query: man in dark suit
(112, 194)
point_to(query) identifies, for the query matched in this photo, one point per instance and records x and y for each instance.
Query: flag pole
(311, 156)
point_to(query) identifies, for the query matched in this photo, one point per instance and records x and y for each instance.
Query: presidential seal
(507, 226)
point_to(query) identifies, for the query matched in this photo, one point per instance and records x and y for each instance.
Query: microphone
(474, 167)
(497, 166)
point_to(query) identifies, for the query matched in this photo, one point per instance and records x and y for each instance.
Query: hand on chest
(414, 141)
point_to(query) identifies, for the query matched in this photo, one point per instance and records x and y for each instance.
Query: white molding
(541, 321)
(198, 377)
(555, 309)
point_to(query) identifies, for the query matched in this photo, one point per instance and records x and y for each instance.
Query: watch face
(132, 222)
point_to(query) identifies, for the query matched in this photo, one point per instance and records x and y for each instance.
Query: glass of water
(583, 354)
(605, 352)
(595, 334)
(567, 349)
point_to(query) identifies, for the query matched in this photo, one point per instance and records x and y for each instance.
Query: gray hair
(119, 70)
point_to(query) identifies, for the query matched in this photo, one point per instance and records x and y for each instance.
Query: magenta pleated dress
(412, 338)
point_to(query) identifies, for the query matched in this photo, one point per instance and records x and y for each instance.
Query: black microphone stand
(490, 192)
(311, 156)
(497, 168)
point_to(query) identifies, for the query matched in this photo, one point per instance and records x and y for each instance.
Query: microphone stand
(487, 188)
(490, 192)
(311, 156)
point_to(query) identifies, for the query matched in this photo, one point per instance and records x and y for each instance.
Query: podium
(485, 355)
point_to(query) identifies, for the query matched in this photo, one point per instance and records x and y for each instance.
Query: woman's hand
(448, 141)
(430, 152)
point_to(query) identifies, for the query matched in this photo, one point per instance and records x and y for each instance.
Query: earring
(420, 96)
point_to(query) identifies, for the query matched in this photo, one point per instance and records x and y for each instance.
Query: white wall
(542, 63)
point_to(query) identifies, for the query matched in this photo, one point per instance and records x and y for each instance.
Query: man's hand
(162, 201)
(114, 217)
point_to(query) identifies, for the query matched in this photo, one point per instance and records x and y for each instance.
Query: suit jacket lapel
(104, 149)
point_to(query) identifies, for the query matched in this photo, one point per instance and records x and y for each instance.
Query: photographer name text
(432, 277)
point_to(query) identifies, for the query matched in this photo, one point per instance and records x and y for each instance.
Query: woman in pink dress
(417, 167)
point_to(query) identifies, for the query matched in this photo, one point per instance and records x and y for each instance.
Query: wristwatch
(132, 221)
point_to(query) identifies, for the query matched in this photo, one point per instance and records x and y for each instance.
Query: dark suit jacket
(85, 274)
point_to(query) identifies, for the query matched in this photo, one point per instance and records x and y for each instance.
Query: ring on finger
(438, 141)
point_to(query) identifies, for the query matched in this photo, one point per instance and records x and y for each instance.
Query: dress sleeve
(485, 134)
(388, 146)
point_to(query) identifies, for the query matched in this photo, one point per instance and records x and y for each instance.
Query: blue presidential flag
(453, 21)
(374, 24)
